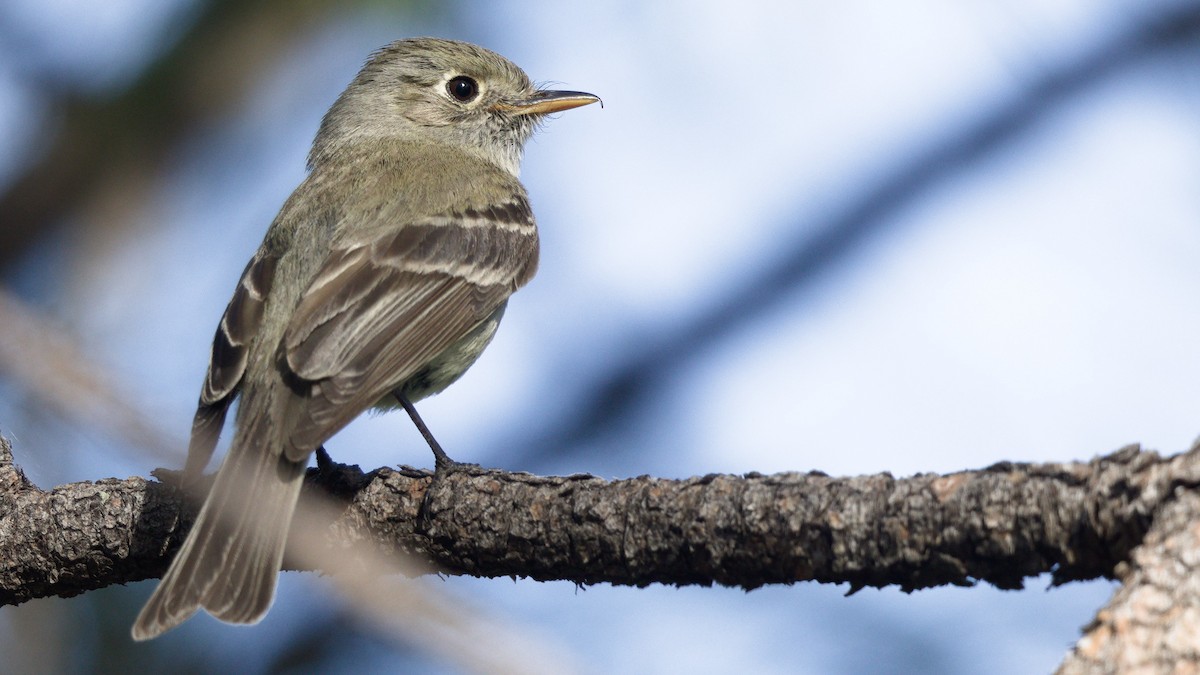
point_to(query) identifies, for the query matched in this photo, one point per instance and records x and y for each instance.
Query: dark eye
(462, 88)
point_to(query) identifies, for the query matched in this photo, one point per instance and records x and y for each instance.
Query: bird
(383, 277)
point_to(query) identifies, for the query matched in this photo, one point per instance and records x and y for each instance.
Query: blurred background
(852, 237)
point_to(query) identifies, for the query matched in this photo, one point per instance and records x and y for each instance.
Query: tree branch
(999, 524)
(1152, 623)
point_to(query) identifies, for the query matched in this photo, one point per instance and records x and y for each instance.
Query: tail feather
(206, 429)
(230, 561)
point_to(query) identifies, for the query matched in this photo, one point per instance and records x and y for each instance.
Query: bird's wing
(387, 302)
(230, 350)
(239, 325)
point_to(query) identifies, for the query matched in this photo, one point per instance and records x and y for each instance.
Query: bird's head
(431, 90)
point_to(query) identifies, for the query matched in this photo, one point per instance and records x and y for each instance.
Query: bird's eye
(462, 88)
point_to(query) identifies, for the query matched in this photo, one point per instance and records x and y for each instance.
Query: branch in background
(105, 147)
(48, 364)
(620, 392)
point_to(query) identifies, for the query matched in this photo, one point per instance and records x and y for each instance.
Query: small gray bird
(379, 283)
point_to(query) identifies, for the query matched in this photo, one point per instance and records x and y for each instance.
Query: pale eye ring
(462, 89)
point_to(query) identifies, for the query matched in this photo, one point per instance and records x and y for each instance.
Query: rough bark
(1000, 525)
(1152, 623)
(1130, 515)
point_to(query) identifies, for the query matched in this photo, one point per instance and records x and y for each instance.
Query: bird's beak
(545, 102)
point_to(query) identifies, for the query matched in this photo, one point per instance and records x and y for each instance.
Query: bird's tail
(230, 561)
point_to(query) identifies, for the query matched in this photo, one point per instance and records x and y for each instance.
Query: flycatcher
(381, 280)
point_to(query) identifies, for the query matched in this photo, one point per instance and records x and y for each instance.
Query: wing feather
(382, 308)
(239, 324)
(230, 351)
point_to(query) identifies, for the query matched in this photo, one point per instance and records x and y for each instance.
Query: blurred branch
(1001, 525)
(48, 364)
(104, 148)
(620, 392)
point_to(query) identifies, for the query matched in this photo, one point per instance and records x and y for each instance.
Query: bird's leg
(441, 461)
